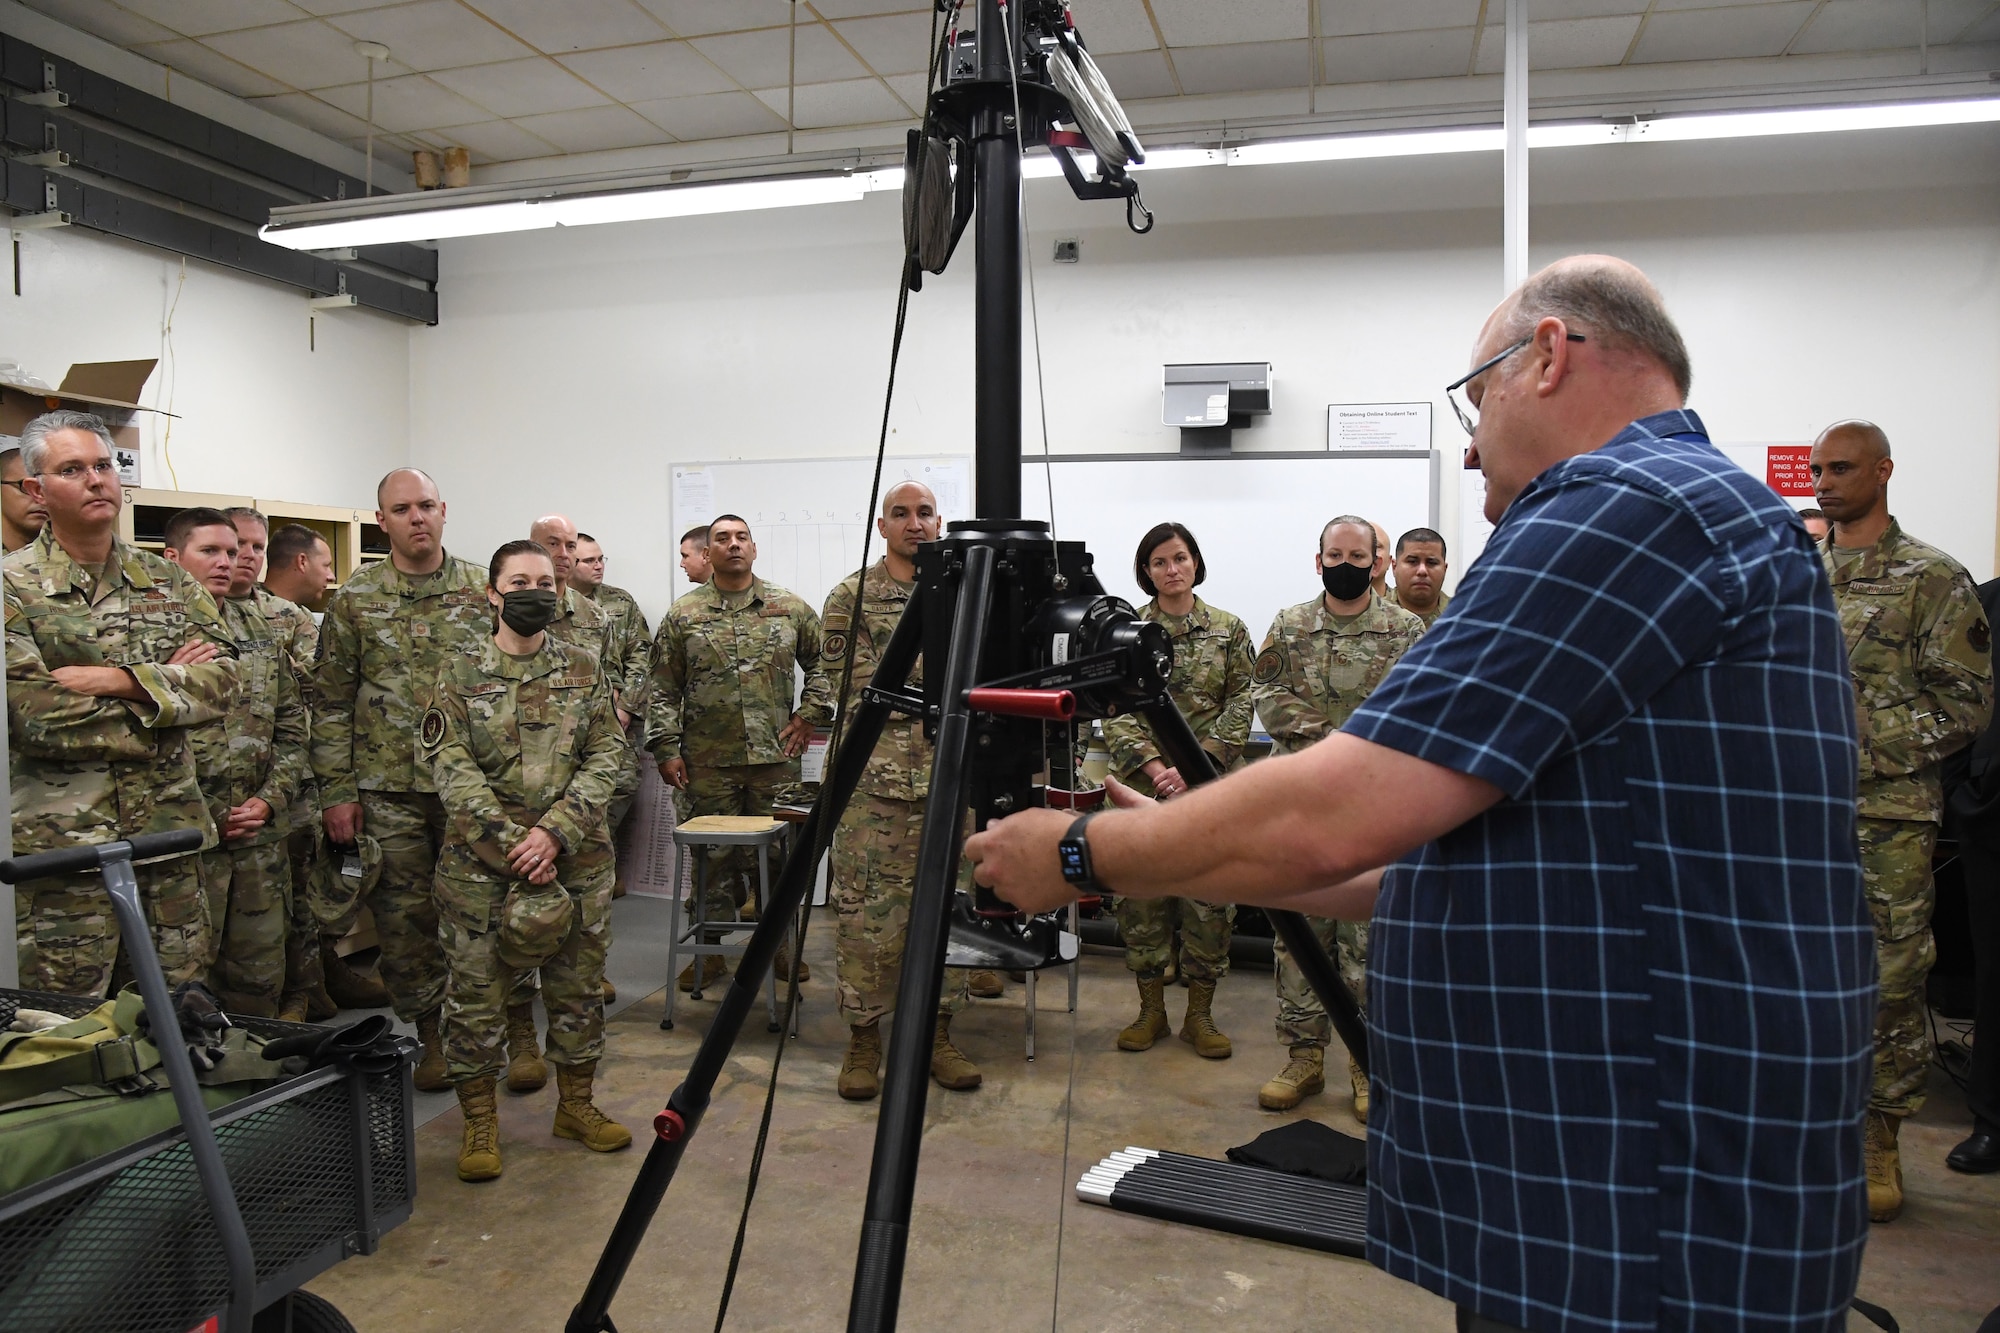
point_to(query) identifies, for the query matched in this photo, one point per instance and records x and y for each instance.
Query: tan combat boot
(1359, 1078)
(1304, 1075)
(1198, 1028)
(432, 1075)
(984, 983)
(783, 965)
(1151, 1024)
(948, 1064)
(1885, 1166)
(712, 968)
(292, 1009)
(346, 987)
(525, 1070)
(479, 1150)
(577, 1117)
(610, 992)
(305, 984)
(861, 1071)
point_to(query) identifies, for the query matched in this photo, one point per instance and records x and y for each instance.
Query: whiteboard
(808, 516)
(1257, 516)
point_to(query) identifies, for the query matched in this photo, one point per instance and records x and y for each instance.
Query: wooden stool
(693, 933)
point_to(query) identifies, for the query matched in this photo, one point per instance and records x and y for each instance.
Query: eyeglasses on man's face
(1461, 402)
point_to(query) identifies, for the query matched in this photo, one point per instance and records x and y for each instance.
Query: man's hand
(194, 652)
(343, 823)
(794, 737)
(246, 819)
(674, 772)
(534, 857)
(1166, 781)
(100, 682)
(1016, 856)
(624, 718)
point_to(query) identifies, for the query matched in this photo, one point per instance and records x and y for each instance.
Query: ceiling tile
(849, 102)
(411, 102)
(1203, 22)
(436, 34)
(198, 18)
(1584, 9)
(211, 67)
(852, 9)
(909, 87)
(594, 129)
(760, 59)
(1563, 44)
(1954, 19)
(521, 87)
(648, 72)
(716, 116)
(1985, 30)
(1398, 55)
(1243, 66)
(573, 25)
(1112, 26)
(113, 23)
(1136, 75)
(694, 18)
(326, 7)
(1867, 25)
(897, 44)
(1352, 18)
(304, 55)
(1733, 33)
(307, 110)
(497, 141)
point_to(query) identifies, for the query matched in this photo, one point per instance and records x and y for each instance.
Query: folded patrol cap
(534, 922)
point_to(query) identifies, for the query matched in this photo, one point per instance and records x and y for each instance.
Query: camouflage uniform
(1310, 677)
(875, 846)
(722, 688)
(1396, 600)
(516, 744)
(384, 638)
(1211, 686)
(629, 663)
(257, 750)
(89, 770)
(1920, 651)
(298, 635)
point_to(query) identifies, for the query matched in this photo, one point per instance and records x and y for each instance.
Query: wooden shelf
(351, 533)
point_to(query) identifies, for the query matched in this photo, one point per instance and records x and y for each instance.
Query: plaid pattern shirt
(1621, 1023)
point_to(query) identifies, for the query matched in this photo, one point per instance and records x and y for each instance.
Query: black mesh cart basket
(321, 1165)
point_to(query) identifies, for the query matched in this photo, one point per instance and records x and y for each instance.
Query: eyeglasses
(1468, 415)
(20, 484)
(72, 472)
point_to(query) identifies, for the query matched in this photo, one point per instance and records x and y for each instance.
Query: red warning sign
(1787, 470)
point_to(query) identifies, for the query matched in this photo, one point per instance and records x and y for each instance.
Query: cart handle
(73, 860)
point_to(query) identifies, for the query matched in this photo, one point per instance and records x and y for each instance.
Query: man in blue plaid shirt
(1621, 994)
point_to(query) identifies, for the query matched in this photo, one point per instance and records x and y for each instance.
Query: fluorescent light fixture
(386, 220)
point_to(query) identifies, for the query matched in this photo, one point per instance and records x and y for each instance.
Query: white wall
(1816, 278)
(259, 411)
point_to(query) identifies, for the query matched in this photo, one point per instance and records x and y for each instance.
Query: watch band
(1073, 853)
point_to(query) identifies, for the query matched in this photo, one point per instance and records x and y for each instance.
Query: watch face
(1074, 865)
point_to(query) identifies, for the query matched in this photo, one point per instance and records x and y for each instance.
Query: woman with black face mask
(526, 750)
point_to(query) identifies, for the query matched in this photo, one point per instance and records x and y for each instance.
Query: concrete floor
(1000, 1242)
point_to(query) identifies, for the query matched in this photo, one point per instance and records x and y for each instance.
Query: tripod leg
(1178, 740)
(689, 1102)
(892, 1178)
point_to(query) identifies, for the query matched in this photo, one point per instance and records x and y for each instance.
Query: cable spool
(1089, 95)
(927, 201)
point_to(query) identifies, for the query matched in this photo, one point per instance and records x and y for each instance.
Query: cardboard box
(109, 388)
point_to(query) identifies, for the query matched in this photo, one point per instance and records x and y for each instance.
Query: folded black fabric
(1307, 1148)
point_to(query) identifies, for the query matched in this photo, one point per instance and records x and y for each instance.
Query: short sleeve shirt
(1621, 1023)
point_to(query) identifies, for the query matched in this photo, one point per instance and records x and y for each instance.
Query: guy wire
(824, 836)
(1048, 480)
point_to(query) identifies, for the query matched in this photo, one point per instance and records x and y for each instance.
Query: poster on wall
(1399, 427)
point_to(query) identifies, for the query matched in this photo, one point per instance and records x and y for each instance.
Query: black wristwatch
(1074, 853)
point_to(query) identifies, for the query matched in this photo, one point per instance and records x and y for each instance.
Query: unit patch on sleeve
(1270, 665)
(431, 730)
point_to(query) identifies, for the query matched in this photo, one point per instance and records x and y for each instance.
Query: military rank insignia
(1270, 665)
(431, 730)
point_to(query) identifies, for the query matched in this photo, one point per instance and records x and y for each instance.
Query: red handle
(1048, 705)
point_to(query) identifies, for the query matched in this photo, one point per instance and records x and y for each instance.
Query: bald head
(555, 534)
(411, 514)
(909, 519)
(907, 493)
(404, 479)
(1605, 298)
(1864, 435)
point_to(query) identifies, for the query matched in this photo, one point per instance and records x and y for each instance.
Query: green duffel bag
(93, 1085)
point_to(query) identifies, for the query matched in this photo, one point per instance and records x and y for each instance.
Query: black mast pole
(996, 161)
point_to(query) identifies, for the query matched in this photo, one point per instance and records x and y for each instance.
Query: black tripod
(1027, 637)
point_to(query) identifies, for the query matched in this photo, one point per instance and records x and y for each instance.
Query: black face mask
(528, 611)
(1345, 582)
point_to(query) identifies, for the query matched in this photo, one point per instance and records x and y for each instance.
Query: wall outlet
(1069, 251)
